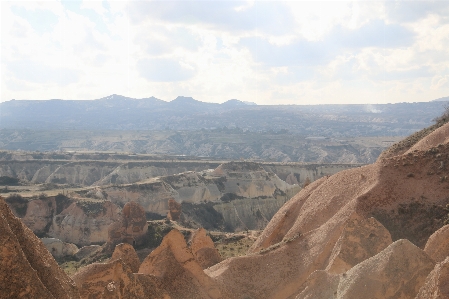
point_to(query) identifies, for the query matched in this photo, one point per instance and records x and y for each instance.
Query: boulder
(181, 275)
(131, 227)
(128, 255)
(27, 269)
(360, 240)
(59, 249)
(437, 247)
(436, 285)
(203, 249)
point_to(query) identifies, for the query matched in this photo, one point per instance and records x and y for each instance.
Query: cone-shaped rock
(174, 264)
(437, 247)
(27, 269)
(115, 280)
(320, 285)
(203, 249)
(437, 283)
(128, 255)
(397, 272)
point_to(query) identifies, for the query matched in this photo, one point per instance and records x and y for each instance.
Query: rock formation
(128, 255)
(181, 276)
(85, 223)
(174, 210)
(59, 249)
(27, 269)
(397, 272)
(436, 285)
(115, 280)
(203, 249)
(131, 228)
(360, 240)
(437, 247)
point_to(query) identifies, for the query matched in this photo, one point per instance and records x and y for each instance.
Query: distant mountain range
(117, 112)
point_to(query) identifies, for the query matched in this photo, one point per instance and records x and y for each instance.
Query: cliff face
(27, 269)
(85, 223)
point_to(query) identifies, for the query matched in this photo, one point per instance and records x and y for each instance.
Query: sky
(267, 52)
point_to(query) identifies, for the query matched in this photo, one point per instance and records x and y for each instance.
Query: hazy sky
(268, 52)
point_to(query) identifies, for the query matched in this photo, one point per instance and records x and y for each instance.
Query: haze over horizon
(267, 52)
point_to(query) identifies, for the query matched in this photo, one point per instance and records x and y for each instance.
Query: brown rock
(397, 272)
(437, 247)
(132, 226)
(27, 269)
(174, 210)
(360, 240)
(203, 249)
(128, 255)
(182, 277)
(436, 285)
(115, 280)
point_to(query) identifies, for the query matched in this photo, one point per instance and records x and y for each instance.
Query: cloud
(411, 11)
(268, 16)
(300, 52)
(373, 34)
(36, 72)
(41, 20)
(163, 70)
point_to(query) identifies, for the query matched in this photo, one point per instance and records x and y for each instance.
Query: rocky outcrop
(174, 210)
(84, 222)
(131, 227)
(181, 276)
(128, 255)
(59, 249)
(27, 269)
(436, 285)
(397, 272)
(320, 285)
(203, 249)
(437, 247)
(360, 240)
(115, 280)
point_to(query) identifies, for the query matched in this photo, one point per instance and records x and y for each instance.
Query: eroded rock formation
(128, 255)
(27, 269)
(203, 249)
(131, 227)
(85, 223)
(181, 275)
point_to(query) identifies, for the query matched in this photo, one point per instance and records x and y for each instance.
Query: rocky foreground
(379, 231)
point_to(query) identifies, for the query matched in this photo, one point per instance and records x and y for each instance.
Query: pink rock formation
(128, 255)
(132, 226)
(182, 277)
(397, 272)
(437, 247)
(203, 249)
(115, 280)
(27, 269)
(436, 285)
(360, 240)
